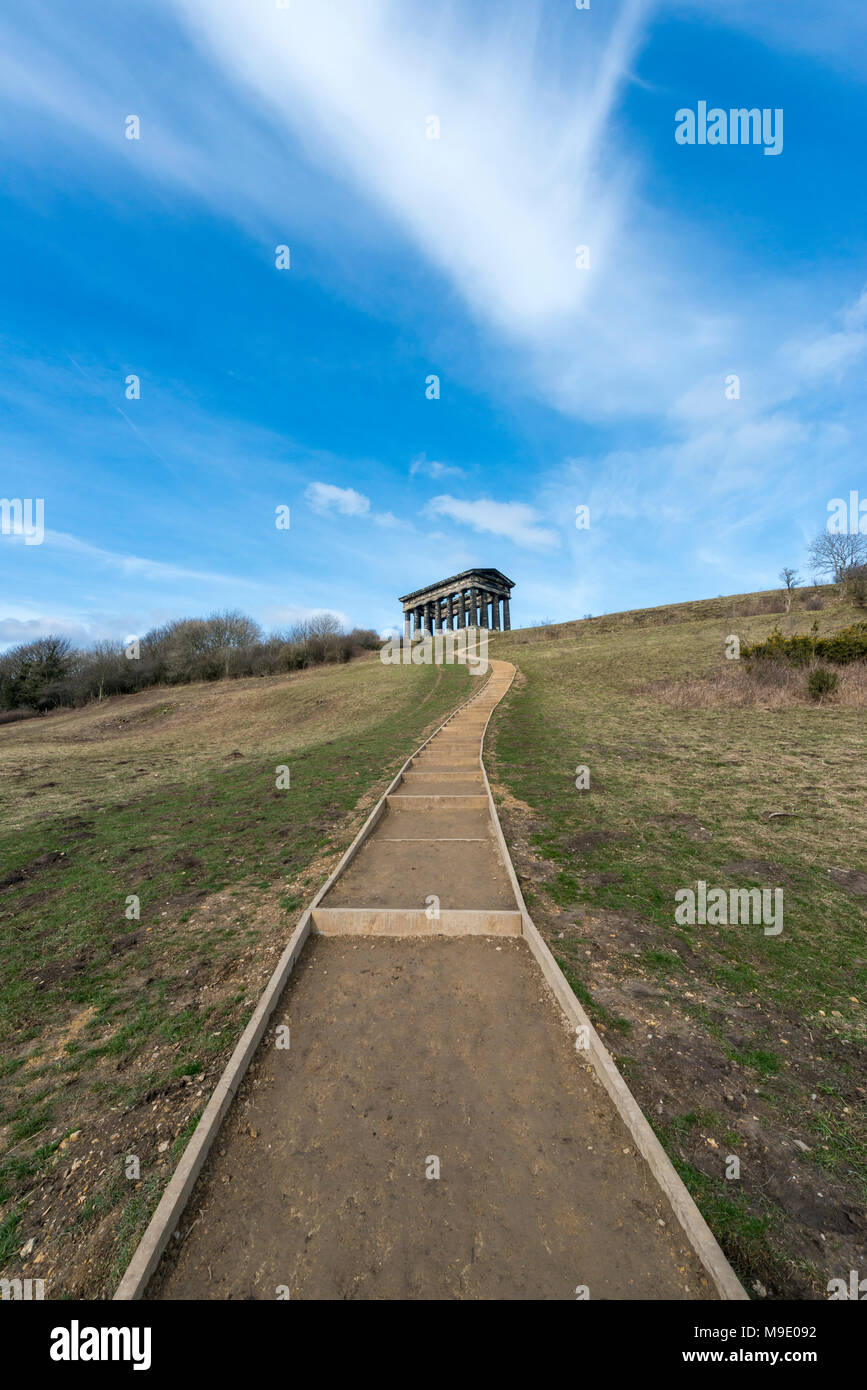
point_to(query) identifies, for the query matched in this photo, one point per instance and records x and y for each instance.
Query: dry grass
(116, 1028)
(766, 685)
(734, 1043)
(129, 745)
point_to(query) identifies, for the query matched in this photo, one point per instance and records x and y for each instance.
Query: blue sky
(261, 387)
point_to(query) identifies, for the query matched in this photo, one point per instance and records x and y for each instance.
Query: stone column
(507, 625)
(495, 612)
(474, 607)
(483, 611)
(419, 620)
(407, 623)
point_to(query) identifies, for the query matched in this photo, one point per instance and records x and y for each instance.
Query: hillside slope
(735, 1043)
(115, 1027)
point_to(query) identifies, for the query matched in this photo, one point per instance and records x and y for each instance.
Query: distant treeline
(49, 672)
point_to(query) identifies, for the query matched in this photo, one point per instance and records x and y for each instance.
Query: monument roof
(462, 580)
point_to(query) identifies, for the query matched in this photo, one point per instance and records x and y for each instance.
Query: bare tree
(791, 580)
(835, 553)
(324, 625)
(233, 629)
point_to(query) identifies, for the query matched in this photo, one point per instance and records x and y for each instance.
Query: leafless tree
(835, 553)
(791, 579)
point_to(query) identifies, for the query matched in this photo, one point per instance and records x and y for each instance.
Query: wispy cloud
(525, 168)
(515, 521)
(530, 162)
(424, 467)
(142, 568)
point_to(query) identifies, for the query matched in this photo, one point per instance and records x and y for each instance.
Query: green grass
(681, 792)
(173, 802)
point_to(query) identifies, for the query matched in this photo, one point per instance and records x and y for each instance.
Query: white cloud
(528, 166)
(14, 631)
(530, 162)
(330, 500)
(496, 201)
(830, 354)
(432, 468)
(514, 520)
(326, 499)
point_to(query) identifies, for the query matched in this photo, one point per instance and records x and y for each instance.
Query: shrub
(822, 682)
(12, 716)
(849, 644)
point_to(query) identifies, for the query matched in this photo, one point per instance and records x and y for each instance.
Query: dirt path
(431, 1131)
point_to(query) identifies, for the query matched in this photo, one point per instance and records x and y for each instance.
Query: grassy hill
(115, 1028)
(735, 1043)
